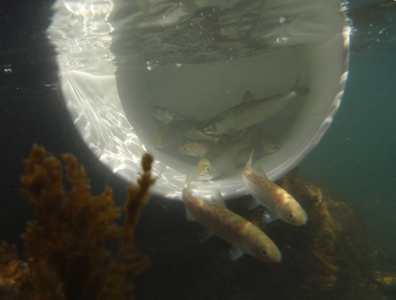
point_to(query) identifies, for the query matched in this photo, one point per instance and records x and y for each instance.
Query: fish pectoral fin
(204, 234)
(218, 200)
(251, 203)
(268, 217)
(189, 216)
(248, 96)
(235, 252)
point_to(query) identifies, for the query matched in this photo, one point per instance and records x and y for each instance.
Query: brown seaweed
(15, 276)
(66, 245)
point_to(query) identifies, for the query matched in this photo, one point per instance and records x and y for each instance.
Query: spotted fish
(279, 203)
(244, 236)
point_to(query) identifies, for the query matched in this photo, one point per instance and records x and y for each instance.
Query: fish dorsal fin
(248, 96)
(254, 167)
(217, 200)
(235, 252)
(259, 171)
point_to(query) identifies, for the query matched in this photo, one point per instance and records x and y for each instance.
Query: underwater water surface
(355, 160)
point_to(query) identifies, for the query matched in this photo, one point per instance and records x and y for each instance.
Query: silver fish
(269, 145)
(220, 159)
(173, 133)
(239, 232)
(250, 112)
(279, 203)
(198, 135)
(197, 149)
(164, 115)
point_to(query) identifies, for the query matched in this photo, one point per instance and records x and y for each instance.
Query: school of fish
(227, 142)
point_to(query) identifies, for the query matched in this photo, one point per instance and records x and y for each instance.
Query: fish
(269, 145)
(173, 133)
(243, 235)
(251, 112)
(197, 135)
(197, 149)
(220, 159)
(164, 115)
(279, 203)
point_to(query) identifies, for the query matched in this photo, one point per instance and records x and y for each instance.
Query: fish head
(187, 149)
(215, 126)
(211, 128)
(206, 170)
(291, 211)
(257, 244)
(159, 141)
(269, 145)
(268, 253)
(156, 110)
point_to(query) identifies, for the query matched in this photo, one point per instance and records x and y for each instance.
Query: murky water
(116, 60)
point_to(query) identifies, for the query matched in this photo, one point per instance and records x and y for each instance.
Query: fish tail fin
(298, 90)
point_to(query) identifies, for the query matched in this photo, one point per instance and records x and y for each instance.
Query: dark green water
(356, 158)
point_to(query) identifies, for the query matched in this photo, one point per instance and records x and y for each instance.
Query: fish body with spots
(250, 112)
(243, 235)
(278, 202)
(164, 115)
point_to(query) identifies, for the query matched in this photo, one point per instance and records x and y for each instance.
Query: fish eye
(291, 216)
(207, 169)
(263, 252)
(213, 126)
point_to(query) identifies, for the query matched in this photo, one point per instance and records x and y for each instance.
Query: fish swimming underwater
(269, 145)
(251, 112)
(220, 159)
(173, 133)
(279, 203)
(164, 115)
(243, 235)
(197, 149)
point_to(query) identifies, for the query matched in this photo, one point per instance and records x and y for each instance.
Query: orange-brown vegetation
(66, 244)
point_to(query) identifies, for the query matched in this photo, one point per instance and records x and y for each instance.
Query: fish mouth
(276, 256)
(204, 176)
(277, 259)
